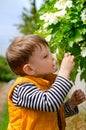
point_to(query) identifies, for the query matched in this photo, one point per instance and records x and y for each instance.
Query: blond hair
(20, 51)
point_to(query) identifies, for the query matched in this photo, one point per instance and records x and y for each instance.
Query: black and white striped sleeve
(28, 95)
(70, 111)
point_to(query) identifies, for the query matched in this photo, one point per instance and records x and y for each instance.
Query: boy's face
(42, 61)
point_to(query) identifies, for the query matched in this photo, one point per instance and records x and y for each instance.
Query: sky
(10, 14)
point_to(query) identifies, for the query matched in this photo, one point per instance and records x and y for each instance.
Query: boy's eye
(45, 56)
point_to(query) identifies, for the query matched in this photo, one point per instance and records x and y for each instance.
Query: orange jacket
(28, 119)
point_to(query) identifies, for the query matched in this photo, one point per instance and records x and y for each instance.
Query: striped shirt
(29, 96)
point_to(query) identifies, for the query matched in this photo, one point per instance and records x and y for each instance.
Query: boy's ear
(28, 69)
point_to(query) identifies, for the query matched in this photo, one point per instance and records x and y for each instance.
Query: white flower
(42, 17)
(48, 38)
(83, 52)
(53, 19)
(60, 13)
(46, 25)
(45, 17)
(83, 15)
(57, 51)
(63, 4)
(49, 18)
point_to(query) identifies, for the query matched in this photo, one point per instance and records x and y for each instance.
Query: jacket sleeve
(70, 111)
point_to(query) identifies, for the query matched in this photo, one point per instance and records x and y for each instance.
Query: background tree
(29, 19)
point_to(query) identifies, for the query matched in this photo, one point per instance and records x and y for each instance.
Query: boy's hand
(67, 65)
(77, 98)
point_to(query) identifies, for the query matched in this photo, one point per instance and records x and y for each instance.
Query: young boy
(36, 99)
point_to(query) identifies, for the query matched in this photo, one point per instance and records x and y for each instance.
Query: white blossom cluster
(49, 18)
(53, 17)
(83, 52)
(63, 4)
(83, 15)
(48, 38)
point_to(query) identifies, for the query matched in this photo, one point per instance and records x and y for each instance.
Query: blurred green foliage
(29, 19)
(5, 72)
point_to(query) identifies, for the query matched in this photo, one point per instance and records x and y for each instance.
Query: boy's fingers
(71, 57)
(66, 54)
(81, 98)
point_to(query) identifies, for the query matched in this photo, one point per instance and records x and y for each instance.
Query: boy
(36, 98)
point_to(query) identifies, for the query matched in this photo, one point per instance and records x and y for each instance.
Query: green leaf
(73, 75)
(75, 50)
(83, 63)
(78, 37)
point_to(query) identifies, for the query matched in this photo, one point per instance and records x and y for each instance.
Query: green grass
(4, 118)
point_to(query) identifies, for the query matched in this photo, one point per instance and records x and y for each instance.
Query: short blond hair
(20, 51)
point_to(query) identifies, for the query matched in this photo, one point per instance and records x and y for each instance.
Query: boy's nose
(54, 57)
